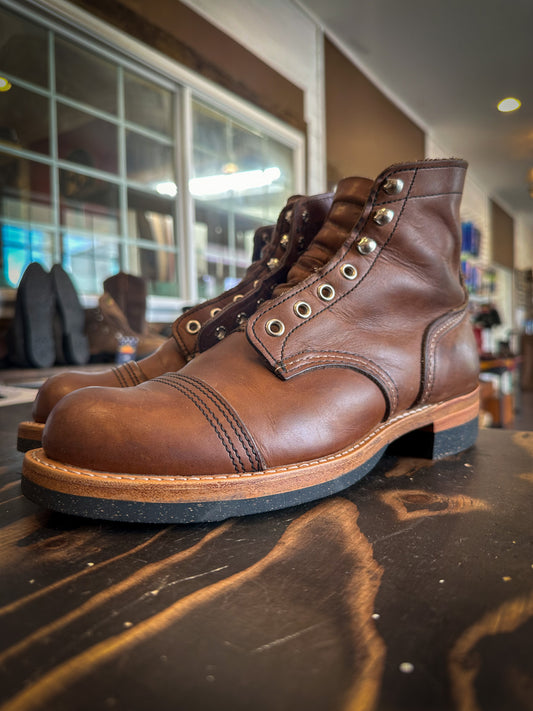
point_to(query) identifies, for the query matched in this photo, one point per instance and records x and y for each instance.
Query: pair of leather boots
(350, 332)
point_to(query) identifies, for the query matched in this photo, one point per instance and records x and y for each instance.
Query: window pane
(88, 204)
(23, 49)
(19, 247)
(248, 147)
(90, 260)
(210, 140)
(147, 104)
(150, 163)
(24, 120)
(87, 140)
(85, 77)
(242, 178)
(151, 223)
(214, 256)
(24, 190)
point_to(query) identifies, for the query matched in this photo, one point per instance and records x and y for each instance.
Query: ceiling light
(509, 104)
(167, 188)
(233, 182)
(5, 84)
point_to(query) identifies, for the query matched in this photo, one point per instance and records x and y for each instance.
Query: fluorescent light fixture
(167, 188)
(233, 182)
(509, 104)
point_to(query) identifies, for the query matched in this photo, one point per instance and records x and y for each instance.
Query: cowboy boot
(276, 247)
(129, 292)
(373, 343)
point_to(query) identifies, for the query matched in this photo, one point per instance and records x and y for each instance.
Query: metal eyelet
(241, 318)
(393, 186)
(215, 311)
(366, 245)
(193, 326)
(302, 309)
(272, 263)
(348, 271)
(237, 297)
(284, 241)
(326, 292)
(220, 332)
(383, 216)
(275, 327)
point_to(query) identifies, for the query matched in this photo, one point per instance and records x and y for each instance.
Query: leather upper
(392, 334)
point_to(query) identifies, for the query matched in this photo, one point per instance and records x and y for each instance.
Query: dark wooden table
(413, 590)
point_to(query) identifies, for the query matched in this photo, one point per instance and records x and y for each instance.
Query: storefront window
(98, 173)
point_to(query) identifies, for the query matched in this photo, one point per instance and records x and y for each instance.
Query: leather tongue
(350, 198)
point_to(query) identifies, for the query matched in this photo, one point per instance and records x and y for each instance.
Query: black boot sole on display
(32, 332)
(71, 316)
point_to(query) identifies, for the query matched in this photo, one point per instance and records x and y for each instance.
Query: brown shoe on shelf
(276, 247)
(129, 292)
(106, 326)
(370, 341)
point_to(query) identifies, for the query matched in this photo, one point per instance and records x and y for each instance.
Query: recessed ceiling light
(509, 104)
(5, 85)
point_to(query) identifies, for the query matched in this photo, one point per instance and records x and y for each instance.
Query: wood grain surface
(412, 590)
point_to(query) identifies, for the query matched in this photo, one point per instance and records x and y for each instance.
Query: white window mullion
(54, 170)
(185, 221)
(122, 171)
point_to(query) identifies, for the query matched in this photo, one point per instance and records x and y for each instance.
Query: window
(100, 171)
(239, 178)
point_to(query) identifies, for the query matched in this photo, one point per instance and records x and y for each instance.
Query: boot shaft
(129, 293)
(389, 298)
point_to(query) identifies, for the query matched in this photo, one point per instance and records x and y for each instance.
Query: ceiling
(448, 63)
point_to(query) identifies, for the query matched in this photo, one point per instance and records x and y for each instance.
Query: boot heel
(431, 442)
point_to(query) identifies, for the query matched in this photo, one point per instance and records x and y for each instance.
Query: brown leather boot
(369, 341)
(129, 292)
(277, 248)
(107, 324)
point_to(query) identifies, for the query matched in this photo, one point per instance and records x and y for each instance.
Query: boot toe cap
(108, 430)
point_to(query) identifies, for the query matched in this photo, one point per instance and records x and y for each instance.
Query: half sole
(29, 435)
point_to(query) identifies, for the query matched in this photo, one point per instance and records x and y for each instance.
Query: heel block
(431, 442)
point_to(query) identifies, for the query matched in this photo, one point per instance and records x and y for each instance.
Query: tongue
(350, 198)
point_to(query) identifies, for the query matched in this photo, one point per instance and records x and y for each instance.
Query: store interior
(354, 110)
(266, 355)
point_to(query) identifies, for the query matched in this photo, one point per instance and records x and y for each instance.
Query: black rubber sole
(74, 344)
(26, 445)
(422, 443)
(34, 317)
(190, 511)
